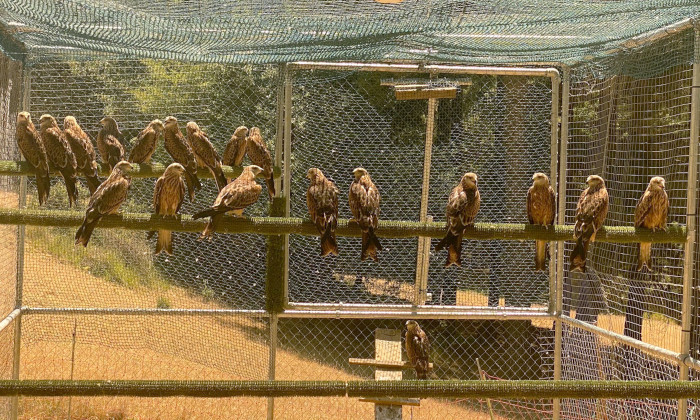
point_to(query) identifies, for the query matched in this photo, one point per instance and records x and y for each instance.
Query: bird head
(175, 169)
(594, 181)
(24, 117)
(191, 127)
(469, 180)
(47, 121)
(110, 124)
(538, 178)
(411, 325)
(158, 124)
(123, 167)
(241, 131)
(254, 131)
(313, 173)
(255, 169)
(69, 122)
(170, 121)
(359, 173)
(657, 182)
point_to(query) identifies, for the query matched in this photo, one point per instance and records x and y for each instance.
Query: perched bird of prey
(146, 142)
(259, 155)
(322, 200)
(590, 214)
(167, 199)
(462, 206)
(60, 155)
(204, 152)
(235, 197)
(84, 153)
(651, 213)
(541, 208)
(106, 200)
(32, 148)
(108, 144)
(182, 153)
(364, 205)
(418, 349)
(235, 149)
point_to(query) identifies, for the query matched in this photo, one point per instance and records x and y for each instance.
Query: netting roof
(268, 31)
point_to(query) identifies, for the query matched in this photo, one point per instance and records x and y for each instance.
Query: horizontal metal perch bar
(154, 170)
(291, 225)
(405, 389)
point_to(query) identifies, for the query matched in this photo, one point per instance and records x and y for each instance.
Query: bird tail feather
(72, 189)
(454, 248)
(219, 177)
(328, 242)
(211, 226)
(82, 236)
(190, 186)
(541, 255)
(43, 186)
(370, 245)
(92, 182)
(164, 242)
(270, 185)
(644, 256)
(578, 255)
(211, 211)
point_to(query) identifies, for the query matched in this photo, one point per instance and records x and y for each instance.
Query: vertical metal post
(689, 250)
(272, 363)
(423, 260)
(287, 171)
(279, 132)
(561, 213)
(554, 152)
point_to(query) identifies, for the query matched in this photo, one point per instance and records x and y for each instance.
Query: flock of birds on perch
(70, 151)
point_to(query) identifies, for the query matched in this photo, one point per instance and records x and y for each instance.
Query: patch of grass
(163, 303)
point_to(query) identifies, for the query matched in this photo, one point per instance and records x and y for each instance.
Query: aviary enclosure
(606, 88)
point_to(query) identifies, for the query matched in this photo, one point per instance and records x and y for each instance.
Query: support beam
(298, 226)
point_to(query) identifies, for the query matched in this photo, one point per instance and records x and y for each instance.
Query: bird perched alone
(541, 208)
(108, 144)
(84, 153)
(651, 213)
(32, 148)
(146, 142)
(236, 147)
(106, 200)
(591, 211)
(60, 155)
(322, 200)
(418, 349)
(182, 153)
(235, 197)
(204, 152)
(364, 205)
(462, 206)
(168, 196)
(259, 155)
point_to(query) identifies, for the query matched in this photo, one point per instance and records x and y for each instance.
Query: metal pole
(436, 68)
(554, 152)
(689, 251)
(279, 133)
(423, 257)
(561, 213)
(287, 170)
(272, 363)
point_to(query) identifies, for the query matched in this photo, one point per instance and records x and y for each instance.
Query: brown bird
(146, 142)
(60, 155)
(541, 208)
(590, 214)
(235, 197)
(462, 206)
(322, 200)
(168, 196)
(418, 349)
(364, 205)
(651, 213)
(106, 200)
(182, 153)
(204, 152)
(108, 144)
(84, 153)
(32, 148)
(259, 155)
(235, 149)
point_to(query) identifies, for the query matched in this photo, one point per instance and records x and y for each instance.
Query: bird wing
(203, 148)
(240, 194)
(157, 191)
(79, 147)
(180, 151)
(235, 151)
(32, 148)
(643, 208)
(370, 203)
(144, 145)
(421, 345)
(529, 205)
(109, 196)
(259, 154)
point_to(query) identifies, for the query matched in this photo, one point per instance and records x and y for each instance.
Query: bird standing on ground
(322, 201)
(204, 152)
(146, 142)
(106, 200)
(108, 144)
(651, 213)
(418, 349)
(541, 208)
(235, 197)
(84, 153)
(462, 206)
(60, 155)
(364, 205)
(591, 211)
(182, 153)
(259, 155)
(168, 196)
(235, 148)
(32, 148)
